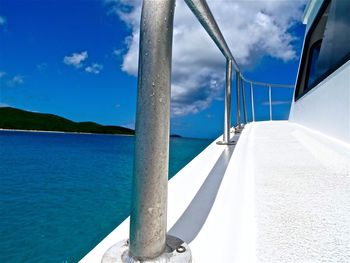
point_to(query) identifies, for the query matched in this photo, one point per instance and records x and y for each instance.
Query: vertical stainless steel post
(270, 103)
(150, 179)
(252, 100)
(238, 100)
(227, 120)
(244, 104)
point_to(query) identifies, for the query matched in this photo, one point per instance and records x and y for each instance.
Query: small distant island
(16, 119)
(175, 136)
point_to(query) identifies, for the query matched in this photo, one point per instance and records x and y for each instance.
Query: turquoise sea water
(60, 194)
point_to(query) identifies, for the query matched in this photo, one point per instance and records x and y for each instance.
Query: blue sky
(76, 59)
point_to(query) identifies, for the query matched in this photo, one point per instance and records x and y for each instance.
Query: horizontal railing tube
(150, 177)
(288, 86)
(202, 11)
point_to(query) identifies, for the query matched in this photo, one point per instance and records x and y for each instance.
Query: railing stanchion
(238, 102)
(244, 103)
(150, 180)
(227, 120)
(270, 102)
(252, 100)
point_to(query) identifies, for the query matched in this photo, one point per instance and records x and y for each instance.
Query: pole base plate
(226, 143)
(177, 251)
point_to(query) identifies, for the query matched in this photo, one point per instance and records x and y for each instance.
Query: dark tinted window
(336, 41)
(327, 45)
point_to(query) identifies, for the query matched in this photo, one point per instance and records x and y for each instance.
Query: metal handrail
(274, 85)
(202, 11)
(148, 239)
(269, 85)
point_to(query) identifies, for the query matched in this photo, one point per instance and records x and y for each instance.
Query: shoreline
(63, 132)
(90, 133)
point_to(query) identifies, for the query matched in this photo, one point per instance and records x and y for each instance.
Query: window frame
(308, 87)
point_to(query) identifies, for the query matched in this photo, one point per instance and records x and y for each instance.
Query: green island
(16, 119)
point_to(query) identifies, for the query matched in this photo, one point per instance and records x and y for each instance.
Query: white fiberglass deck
(302, 195)
(282, 195)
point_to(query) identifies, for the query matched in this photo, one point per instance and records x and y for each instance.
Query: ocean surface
(60, 194)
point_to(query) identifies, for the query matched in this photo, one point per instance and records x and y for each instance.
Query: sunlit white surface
(326, 107)
(302, 195)
(283, 197)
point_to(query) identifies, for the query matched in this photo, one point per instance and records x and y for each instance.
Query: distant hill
(11, 118)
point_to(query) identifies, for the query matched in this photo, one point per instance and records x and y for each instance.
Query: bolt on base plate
(177, 251)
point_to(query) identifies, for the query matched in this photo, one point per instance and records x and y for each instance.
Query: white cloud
(94, 68)
(16, 80)
(253, 29)
(3, 21)
(2, 73)
(76, 59)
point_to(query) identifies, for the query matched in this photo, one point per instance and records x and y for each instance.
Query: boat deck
(282, 194)
(301, 195)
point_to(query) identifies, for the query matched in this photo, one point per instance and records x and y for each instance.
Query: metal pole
(270, 103)
(252, 99)
(244, 104)
(150, 179)
(227, 120)
(238, 100)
